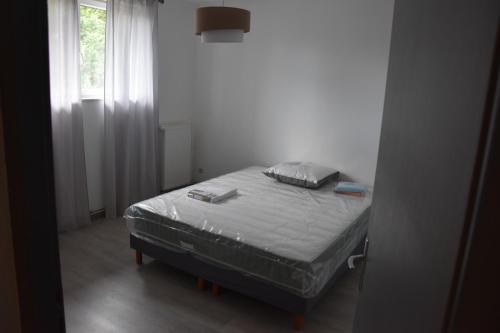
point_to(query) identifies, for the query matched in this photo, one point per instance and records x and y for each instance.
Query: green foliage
(92, 47)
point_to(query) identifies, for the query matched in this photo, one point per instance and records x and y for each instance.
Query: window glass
(92, 48)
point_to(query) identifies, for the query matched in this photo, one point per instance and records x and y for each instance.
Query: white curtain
(131, 106)
(67, 122)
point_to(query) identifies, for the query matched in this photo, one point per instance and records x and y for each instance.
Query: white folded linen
(212, 193)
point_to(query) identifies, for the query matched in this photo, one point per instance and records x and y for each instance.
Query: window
(92, 48)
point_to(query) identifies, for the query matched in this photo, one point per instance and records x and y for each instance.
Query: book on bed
(350, 188)
(212, 194)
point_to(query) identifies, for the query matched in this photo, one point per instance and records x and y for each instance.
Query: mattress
(291, 237)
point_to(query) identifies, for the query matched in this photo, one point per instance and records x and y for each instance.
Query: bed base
(200, 284)
(233, 280)
(138, 257)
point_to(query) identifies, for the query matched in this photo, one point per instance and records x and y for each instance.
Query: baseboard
(97, 215)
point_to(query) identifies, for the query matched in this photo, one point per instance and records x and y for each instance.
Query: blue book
(350, 187)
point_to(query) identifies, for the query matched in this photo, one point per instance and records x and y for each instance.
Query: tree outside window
(92, 48)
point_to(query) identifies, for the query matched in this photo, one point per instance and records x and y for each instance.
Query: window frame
(91, 94)
(99, 4)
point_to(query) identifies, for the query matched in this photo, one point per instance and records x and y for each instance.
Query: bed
(282, 244)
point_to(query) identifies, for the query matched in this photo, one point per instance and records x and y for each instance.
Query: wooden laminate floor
(104, 291)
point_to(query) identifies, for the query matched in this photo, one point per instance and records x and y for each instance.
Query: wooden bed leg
(200, 284)
(138, 257)
(215, 289)
(298, 322)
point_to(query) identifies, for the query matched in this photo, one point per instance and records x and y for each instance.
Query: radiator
(175, 155)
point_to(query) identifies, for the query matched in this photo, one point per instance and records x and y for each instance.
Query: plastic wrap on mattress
(291, 237)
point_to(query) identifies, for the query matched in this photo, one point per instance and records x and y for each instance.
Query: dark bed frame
(233, 280)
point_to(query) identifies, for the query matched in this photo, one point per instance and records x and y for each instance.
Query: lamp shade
(222, 24)
(222, 36)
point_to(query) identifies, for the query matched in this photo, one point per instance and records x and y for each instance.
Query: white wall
(308, 83)
(176, 59)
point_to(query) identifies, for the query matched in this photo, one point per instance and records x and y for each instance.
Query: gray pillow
(303, 174)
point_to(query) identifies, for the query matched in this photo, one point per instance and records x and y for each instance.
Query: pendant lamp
(222, 24)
